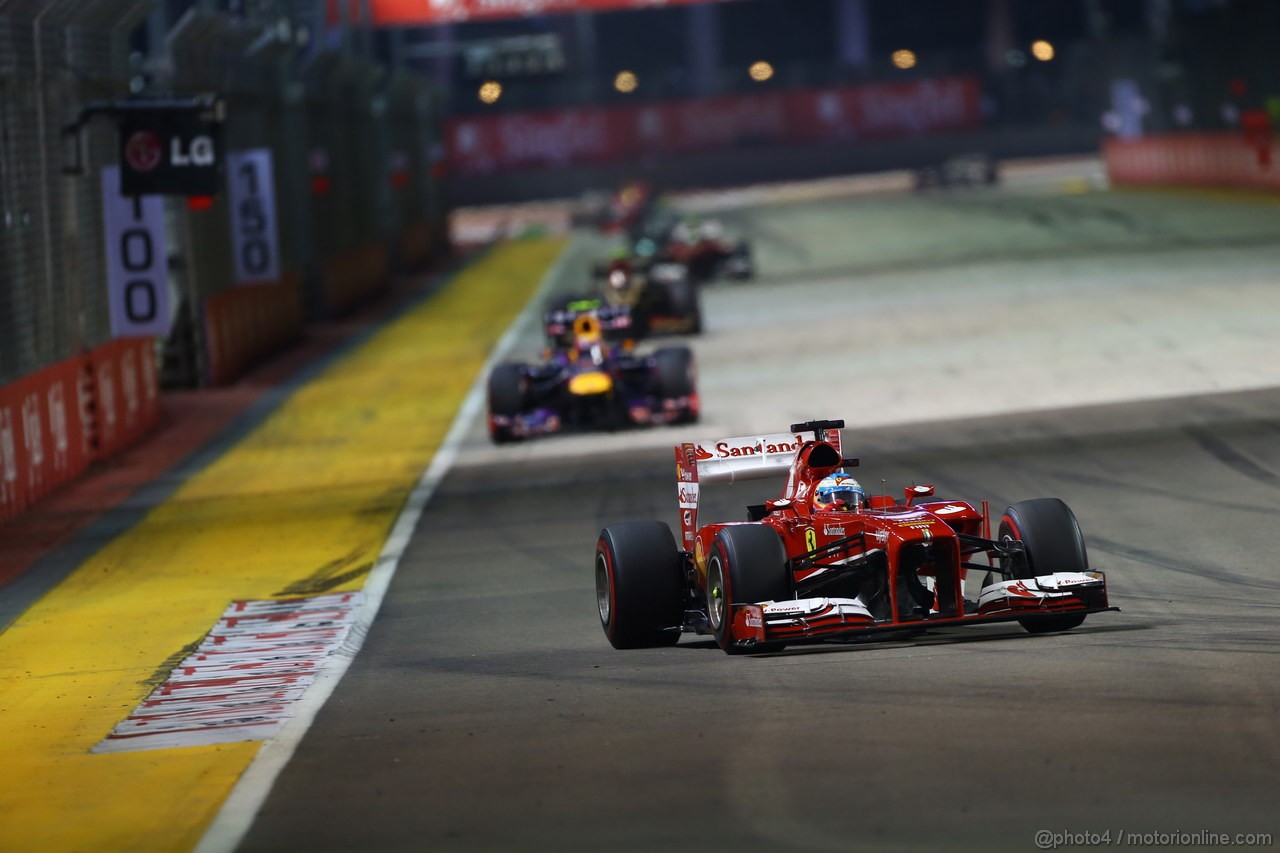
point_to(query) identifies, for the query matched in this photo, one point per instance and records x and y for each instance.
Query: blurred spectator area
(1050, 76)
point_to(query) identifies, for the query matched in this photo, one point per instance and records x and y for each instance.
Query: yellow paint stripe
(303, 504)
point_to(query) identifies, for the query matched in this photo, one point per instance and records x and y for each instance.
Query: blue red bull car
(591, 382)
(802, 570)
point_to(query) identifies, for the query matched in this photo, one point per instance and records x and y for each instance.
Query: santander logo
(757, 447)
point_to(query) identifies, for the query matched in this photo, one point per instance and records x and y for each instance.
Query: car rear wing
(728, 460)
(569, 320)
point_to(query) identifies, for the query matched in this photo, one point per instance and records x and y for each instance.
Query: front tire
(1052, 542)
(748, 564)
(639, 585)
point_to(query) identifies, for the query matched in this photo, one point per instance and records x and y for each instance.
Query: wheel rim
(602, 590)
(715, 593)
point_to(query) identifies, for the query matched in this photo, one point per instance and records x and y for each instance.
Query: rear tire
(675, 371)
(1052, 542)
(677, 377)
(748, 564)
(639, 585)
(507, 392)
(742, 259)
(684, 302)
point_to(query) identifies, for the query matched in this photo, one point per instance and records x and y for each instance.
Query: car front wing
(824, 618)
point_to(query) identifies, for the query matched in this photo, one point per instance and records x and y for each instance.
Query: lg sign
(143, 152)
(200, 152)
(168, 151)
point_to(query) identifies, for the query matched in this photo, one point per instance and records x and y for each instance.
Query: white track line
(241, 806)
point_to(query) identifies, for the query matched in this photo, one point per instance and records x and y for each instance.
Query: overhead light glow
(904, 59)
(625, 82)
(1042, 50)
(760, 71)
(490, 91)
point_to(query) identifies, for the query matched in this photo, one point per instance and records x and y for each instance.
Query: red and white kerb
(243, 679)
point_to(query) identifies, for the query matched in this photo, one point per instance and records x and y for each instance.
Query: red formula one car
(802, 570)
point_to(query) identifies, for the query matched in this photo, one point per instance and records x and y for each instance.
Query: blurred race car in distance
(613, 212)
(592, 384)
(964, 170)
(661, 296)
(800, 572)
(701, 245)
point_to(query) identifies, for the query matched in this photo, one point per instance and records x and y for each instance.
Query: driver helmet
(619, 279)
(838, 491)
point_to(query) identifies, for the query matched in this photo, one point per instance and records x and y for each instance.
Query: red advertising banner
(418, 13)
(1222, 159)
(487, 144)
(126, 391)
(57, 421)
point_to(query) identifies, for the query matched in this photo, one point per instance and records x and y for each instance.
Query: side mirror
(914, 492)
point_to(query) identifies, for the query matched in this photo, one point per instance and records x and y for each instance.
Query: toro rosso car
(592, 383)
(802, 571)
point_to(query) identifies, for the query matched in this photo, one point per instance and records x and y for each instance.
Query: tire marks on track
(1232, 458)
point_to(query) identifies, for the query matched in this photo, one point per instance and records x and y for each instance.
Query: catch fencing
(332, 147)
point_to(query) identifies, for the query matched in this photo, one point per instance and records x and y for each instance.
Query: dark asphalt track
(486, 711)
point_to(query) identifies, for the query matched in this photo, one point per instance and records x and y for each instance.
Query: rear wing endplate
(728, 460)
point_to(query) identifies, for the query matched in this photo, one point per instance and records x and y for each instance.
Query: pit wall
(1226, 159)
(56, 422)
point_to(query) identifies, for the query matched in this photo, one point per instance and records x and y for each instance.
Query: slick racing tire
(676, 376)
(675, 372)
(506, 397)
(748, 564)
(1052, 542)
(742, 262)
(684, 301)
(639, 585)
